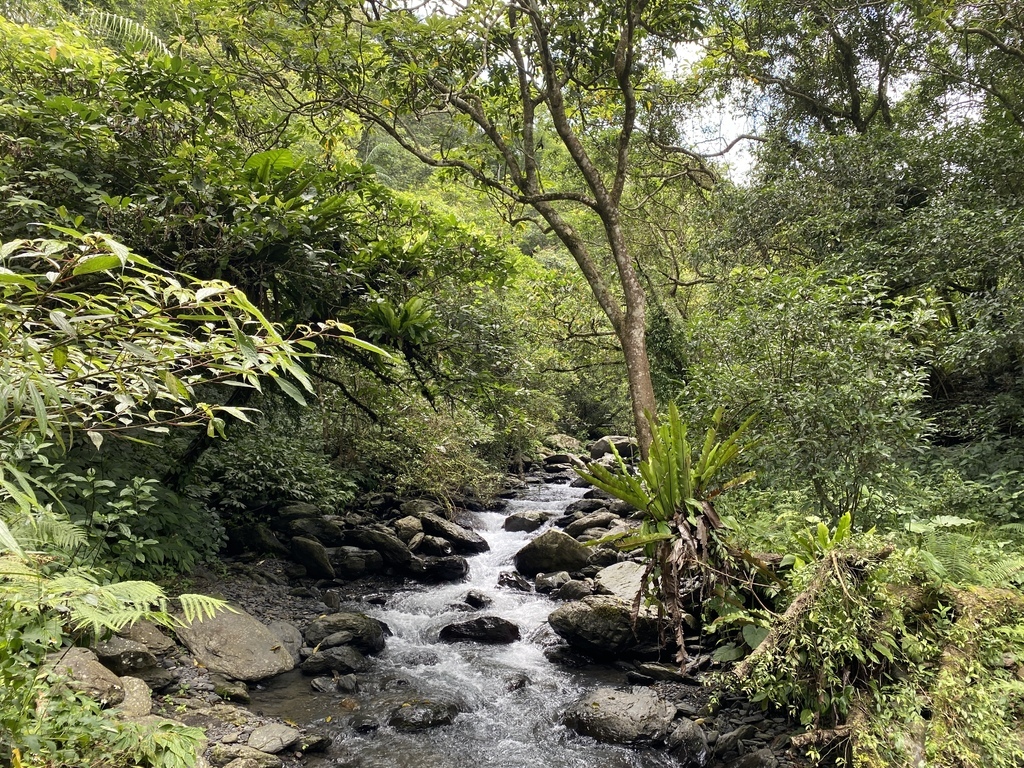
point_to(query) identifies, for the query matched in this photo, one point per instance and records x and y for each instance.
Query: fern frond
(197, 607)
(124, 29)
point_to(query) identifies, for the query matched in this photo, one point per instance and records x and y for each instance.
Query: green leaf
(289, 389)
(97, 264)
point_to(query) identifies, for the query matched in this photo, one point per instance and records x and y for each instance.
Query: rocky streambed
(500, 642)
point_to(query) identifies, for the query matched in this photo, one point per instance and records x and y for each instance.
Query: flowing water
(512, 696)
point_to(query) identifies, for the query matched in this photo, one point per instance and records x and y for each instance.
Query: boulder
(599, 519)
(295, 511)
(562, 459)
(476, 599)
(551, 551)
(379, 538)
(88, 675)
(637, 717)
(586, 506)
(549, 582)
(602, 625)
(485, 629)
(230, 690)
(564, 443)
(273, 738)
(327, 532)
(343, 658)
(688, 744)
(353, 562)
(574, 589)
(436, 546)
(236, 645)
(147, 633)
(417, 507)
(527, 522)
(464, 540)
(421, 714)
(451, 568)
(127, 657)
(313, 742)
(313, 555)
(255, 538)
(224, 754)
(367, 634)
(626, 446)
(289, 635)
(138, 699)
(761, 758)
(623, 580)
(407, 527)
(512, 580)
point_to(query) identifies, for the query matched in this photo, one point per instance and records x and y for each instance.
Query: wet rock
(626, 446)
(138, 699)
(602, 557)
(422, 714)
(314, 742)
(512, 580)
(464, 540)
(450, 568)
(524, 521)
(367, 633)
(236, 645)
(762, 758)
(549, 582)
(485, 629)
(343, 658)
(407, 527)
(574, 589)
(354, 562)
(230, 690)
(435, 545)
(313, 555)
(338, 638)
(551, 551)
(636, 717)
(688, 744)
(273, 738)
(593, 520)
(289, 635)
(477, 599)
(88, 675)
(390, 547)
(584, 507)
(225, 754)
(602, 625)
(732, 742)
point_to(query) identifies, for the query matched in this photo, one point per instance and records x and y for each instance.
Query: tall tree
(542, 105)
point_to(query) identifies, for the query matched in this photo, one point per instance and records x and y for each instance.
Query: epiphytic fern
(125, 30)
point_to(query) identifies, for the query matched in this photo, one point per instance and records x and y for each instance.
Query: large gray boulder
(353, 562)
(602, 625)
(367, 634)
(289, 635)
(391, 548)
(623, 580)
(225, 754)
(492, 630)
(273, 738)
(431, 568)
(551, 551)
(327, 532)
(527, 522)
(128, 657)
(138, 699)
(88, 675)
(465, 541)
(599, 519)
(626, 446)
(236, 645)
(636, 716)
(149, 635)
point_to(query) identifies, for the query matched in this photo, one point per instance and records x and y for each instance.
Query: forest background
(416, 263)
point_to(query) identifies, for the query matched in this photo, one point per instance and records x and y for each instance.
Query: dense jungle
(511, 383)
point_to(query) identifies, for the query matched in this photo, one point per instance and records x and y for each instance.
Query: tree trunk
(638, 369)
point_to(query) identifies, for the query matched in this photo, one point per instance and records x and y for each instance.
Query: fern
(125, 30)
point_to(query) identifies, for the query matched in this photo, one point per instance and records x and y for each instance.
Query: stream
(512, 696)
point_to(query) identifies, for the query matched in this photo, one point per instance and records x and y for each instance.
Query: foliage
(681, 534)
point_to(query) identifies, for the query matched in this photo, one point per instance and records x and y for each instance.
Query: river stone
(314, 742)
(421, 714)
(343, 658)
(636, 717)
(417, 507)
(367, 634)
(549, 582)
(477, 599)
(512, 580)
(585, 507)
(236, 645)
(353, 562)
(562, 442)
(147, 633)
(225, 754)
(256, 538)
(551, 551)
(593, 520)
(289, 635)
(602, 625)
(127, 657)
(391, 548)
(407, 527)
(430, 568)
(623, 580)
(574, 589)
(312, 554)
(464, 540)
(485, 629)
(88, 675)
(762, 758)
(527, 522)
(436, 546)
(230, 690)
(273, 738)
(327, 532)
(138, 699)
(626, 446)
(688, 744)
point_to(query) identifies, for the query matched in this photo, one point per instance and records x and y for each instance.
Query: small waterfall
(512, 696)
